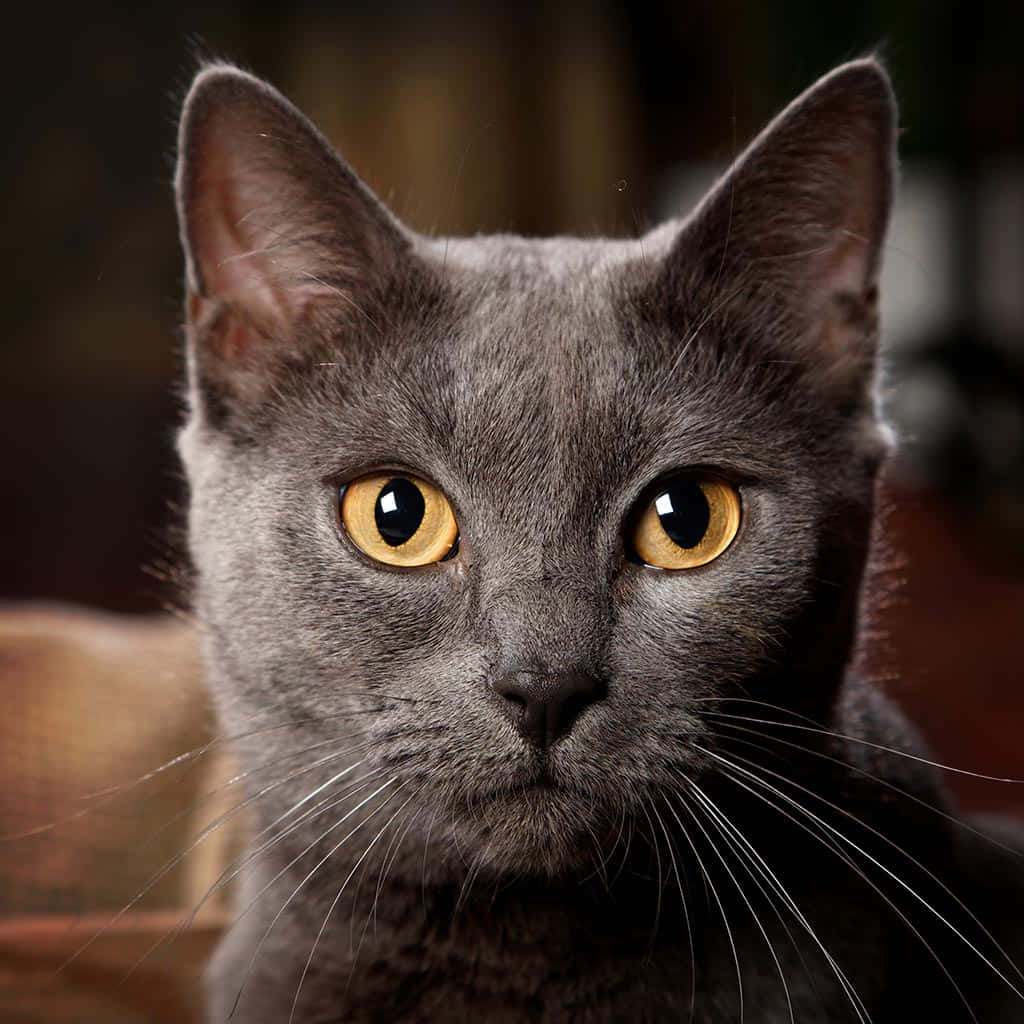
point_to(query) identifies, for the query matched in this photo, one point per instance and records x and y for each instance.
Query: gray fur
(544, 385)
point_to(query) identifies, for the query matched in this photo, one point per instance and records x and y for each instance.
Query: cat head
(500, 514)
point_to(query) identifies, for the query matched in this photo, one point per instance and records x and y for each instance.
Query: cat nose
(545, 705)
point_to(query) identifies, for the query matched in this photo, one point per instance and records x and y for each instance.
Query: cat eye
(689, 521)
(398, 520)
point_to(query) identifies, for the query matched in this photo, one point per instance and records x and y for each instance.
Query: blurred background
(564, 117)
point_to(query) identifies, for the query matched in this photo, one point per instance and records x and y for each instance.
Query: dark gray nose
(544, 705)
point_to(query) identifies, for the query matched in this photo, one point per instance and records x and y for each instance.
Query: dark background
(539, 119)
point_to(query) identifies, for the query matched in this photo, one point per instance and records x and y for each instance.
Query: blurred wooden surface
(95, 704)
(38, 984)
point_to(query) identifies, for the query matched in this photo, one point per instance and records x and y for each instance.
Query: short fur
(740, 828)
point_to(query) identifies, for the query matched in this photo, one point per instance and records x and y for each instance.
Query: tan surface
(94, 704)
(38, 983)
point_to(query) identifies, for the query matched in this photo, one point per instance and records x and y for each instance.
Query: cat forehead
(555, 261)
(552, 306)
(533, 357)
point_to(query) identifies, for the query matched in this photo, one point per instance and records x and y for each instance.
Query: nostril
(514, 688)
(545, 706)
(571, 710)
(515, 706)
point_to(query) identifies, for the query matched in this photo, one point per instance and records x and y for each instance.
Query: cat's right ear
(282, 241)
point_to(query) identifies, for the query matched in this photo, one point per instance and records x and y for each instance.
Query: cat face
(534, 683)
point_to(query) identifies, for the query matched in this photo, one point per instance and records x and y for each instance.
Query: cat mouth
(543, 779)
(534, 783)
(536, 822)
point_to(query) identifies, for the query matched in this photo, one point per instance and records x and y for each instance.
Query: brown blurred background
(567, 117)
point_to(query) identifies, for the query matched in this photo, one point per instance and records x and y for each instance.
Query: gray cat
(528, 572)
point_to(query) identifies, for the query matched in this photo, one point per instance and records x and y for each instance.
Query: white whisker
(330, 910)
(821, 823)
(721, 907)
(686, 910)
(742, 844)
(743, 896)
(306, 878)
(233, 869)
(856, 739)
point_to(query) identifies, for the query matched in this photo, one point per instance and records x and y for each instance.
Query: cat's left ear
(792, 234)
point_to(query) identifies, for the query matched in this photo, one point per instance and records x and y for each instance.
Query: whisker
(686, 911)
(386, 867)
(426, 849)
(825, 839)
(242, 776)
(739, 888)
(775, 882)
(308, 876)
(345, 297)
(855, 739)
(250, 854)
(878, 864)
(920, 801)
(353, 947)
(913, 860)
(661, 876)
(171, 864)
(625, 821)
(330, 910)
(742, 845)
(718, 902)
(475, 867)
(713, 308)
(102, 796)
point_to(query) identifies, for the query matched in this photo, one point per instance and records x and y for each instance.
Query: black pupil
(683, 512)
(399, 511)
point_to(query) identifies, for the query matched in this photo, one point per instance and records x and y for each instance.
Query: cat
(528, 576)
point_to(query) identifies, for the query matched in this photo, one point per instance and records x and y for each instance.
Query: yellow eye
(398, 520)
(689, 522)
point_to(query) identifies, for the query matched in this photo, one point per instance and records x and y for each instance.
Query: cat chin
(540, 830)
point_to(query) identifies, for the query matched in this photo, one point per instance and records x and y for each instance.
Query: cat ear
(276, 228)
(793, 231)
